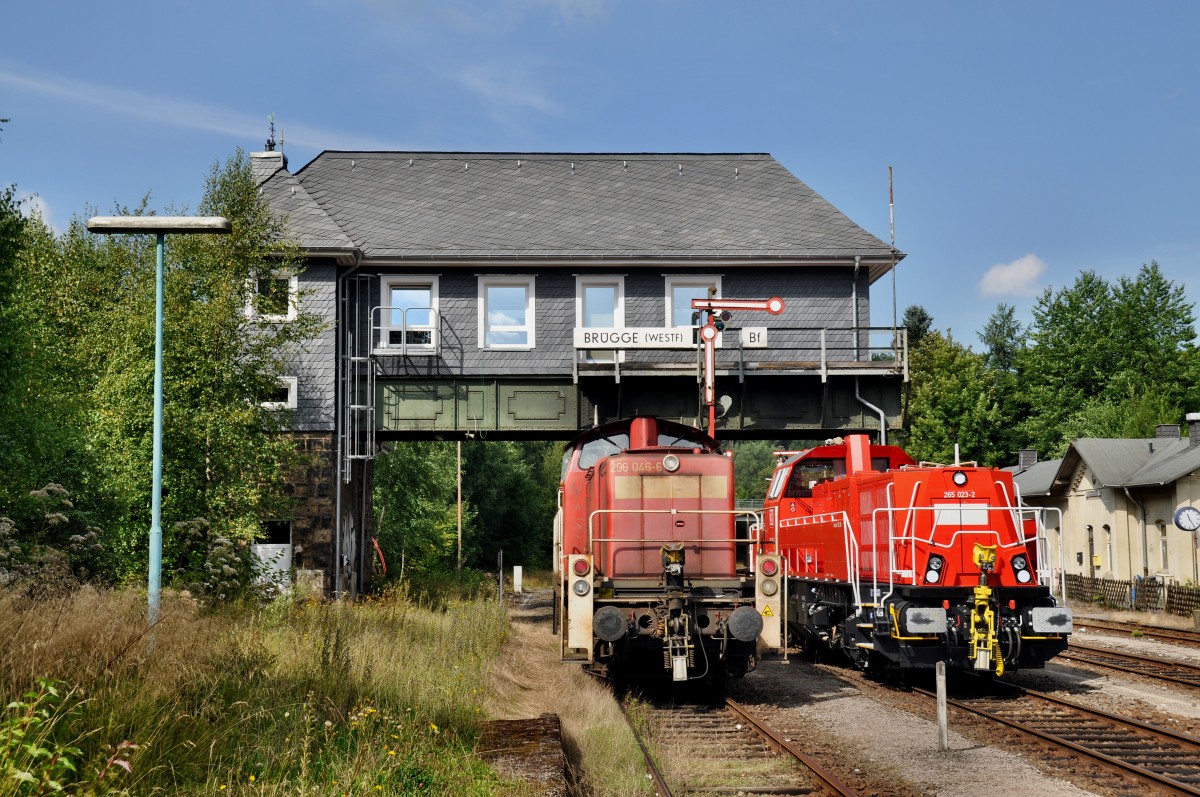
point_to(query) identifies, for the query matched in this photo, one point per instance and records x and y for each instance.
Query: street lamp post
(159, 226)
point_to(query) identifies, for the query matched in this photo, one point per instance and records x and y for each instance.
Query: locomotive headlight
(769, 587)
(581, 567)
(933, 570)
(1021, 568)
(581, 588)
(959, 478)
(769, 567)
(670, 463)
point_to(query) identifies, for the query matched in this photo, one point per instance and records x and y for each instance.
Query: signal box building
(529, 295)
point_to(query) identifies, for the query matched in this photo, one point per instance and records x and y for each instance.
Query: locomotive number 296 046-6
(637, 467)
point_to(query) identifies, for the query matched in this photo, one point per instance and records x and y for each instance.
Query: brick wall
(313, 491)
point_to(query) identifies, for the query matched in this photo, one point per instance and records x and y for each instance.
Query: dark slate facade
(449, 224)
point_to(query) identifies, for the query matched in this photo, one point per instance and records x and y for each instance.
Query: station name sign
(634, 338)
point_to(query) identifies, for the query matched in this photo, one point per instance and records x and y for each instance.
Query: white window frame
(670, 281)
(293, 297)
(386, 283)
(582, 282)
(526, 281)
(292, 384)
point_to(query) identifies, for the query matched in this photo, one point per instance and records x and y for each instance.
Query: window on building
(680, 290)
(283, 397)
(275, 532)
(409, 316)
(599, 302)
(1162, 548)
(1109, 549)
(506, 313)
(275, 297)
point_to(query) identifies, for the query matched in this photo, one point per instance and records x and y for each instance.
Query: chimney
(1026, 458)
(1193, 422)
(1167, 431)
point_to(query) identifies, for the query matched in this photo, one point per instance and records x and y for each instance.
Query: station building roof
(472, 206)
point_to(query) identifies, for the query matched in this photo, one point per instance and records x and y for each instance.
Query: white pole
(517, 579)
(943, 731)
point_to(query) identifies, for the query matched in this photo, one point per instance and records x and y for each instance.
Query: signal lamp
(959, 478)
(769, 587)
(581, 587)
(933, 570)
(769, 567)
(1021, 567)
(581, 567)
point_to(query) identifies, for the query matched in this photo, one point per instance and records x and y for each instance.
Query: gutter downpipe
(857, 395)
(1145, 551)
(340, 425)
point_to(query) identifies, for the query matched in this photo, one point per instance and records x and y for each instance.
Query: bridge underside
(751, 407)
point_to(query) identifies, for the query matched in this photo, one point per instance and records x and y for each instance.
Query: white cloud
(33, 205)
(182, 113)
(1018, 278)
(506, 88)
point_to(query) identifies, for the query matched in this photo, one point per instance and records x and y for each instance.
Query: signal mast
(716, 314)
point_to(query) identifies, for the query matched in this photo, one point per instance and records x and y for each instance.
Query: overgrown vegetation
(1099, 359)
(380, 697)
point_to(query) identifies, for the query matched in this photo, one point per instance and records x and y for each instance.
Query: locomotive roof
(839, 450)
(664, 427)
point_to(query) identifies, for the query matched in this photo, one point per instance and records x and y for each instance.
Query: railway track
(725, 750)
(1155, 756)
(1181, 635)
(1174, 672)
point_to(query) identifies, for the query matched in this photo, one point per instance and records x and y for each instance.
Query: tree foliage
(954, 401)
(1094, 345)
(918, 322)
(81, 414)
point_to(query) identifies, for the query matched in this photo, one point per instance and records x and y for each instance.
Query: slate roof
(1038, 478)
(455, 205)
(1124, 462)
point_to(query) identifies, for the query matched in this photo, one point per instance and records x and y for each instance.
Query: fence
(1143, 594)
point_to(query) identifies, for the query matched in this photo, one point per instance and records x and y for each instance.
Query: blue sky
(1029, 140)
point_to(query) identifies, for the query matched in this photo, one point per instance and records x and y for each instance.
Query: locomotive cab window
(595, 450)
(777, 483)
(809, 473)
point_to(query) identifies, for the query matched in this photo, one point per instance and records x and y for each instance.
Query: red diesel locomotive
(899, 565)
(654, 566)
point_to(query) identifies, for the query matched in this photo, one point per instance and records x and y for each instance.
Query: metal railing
(821, 350)
(405, 338)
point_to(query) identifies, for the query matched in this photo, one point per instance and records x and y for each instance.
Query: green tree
(1003, 338)
(1095, 350)
(228, 455)
(918, 322)
(415, 504)
(953, 401)
(753, 465)
(506, 481)
(1069, 358)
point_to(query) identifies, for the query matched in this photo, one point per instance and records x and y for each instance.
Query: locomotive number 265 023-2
(958, 494)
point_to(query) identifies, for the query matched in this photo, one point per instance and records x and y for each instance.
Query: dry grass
(379, 698)
(528, 680)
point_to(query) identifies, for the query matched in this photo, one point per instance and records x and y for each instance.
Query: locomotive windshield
(810, 472)
(680, 441)
(595, 450)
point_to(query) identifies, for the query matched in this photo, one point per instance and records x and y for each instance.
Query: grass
(379, 697)
(528, 679)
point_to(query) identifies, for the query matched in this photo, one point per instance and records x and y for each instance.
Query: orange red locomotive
(654, 566)
(899, 565)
